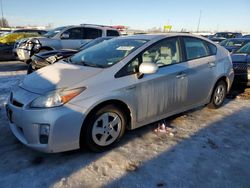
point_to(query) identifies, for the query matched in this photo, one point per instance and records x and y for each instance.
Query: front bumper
(23, 54)
(65, 126)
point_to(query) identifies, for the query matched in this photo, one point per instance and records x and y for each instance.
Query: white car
(123, 83)
(66, 37)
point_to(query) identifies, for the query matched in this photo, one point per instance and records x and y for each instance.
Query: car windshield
(107, 53)
(244, 49)
(94, 42)
(53, 32)
(225, 35)
(232, 43)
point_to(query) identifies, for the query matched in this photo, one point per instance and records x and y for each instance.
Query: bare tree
(4, 22)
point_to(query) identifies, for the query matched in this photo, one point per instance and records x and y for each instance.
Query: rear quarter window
(212, 48)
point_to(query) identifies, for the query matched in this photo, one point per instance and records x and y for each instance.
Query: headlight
(56, 98)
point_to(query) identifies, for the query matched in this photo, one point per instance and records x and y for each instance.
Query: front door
(165, 91)
(72, 38)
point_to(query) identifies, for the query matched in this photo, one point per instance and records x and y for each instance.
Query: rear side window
(112, 33)
(195, 48)
(91, 33)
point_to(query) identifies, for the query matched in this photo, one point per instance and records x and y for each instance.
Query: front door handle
(181, 75)
(211, 64)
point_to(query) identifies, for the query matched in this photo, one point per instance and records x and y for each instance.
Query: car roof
(160, 36)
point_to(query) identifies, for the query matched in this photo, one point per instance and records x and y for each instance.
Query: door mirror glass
(148, 68)
(65, 36)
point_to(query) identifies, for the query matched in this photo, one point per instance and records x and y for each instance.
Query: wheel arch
(116, 102)
(226, 80)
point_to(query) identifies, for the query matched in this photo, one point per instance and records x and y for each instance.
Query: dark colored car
(241, 65)
(234, 44)
(43, 59)
(246, 36)
(220, 36)
(7, 44)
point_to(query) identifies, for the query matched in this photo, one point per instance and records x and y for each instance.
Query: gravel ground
(202, 148)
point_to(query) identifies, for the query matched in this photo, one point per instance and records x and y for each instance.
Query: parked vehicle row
(7, 42)
(220, 36)
(91, 98)
(67, 37)
(234, 44)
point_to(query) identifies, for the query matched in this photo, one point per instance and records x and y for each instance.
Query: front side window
(195, 48)
(91, 33)
(163, 53)
(107, 53)
(73, 33)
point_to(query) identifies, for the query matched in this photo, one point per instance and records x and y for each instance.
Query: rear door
(200, 56)
(90, 34)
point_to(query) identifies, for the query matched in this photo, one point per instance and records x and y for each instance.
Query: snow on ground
(211, 148)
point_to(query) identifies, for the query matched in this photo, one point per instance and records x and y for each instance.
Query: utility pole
(198, 27)
(2, 13)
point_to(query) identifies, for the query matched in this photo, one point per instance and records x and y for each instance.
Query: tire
(218, 95)
(30, 69)
(27, 61)
(98, 134)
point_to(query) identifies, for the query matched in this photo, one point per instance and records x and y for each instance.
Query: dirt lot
(203, 148)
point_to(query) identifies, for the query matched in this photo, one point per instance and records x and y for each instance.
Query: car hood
(240, 58)
(57, 76)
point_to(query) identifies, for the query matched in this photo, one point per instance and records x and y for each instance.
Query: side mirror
(148, 68)
(65, 36)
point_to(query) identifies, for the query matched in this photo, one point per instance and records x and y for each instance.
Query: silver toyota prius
(124, 83)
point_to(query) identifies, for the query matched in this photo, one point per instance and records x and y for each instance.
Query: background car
(67, 37)
(119, 84)
(246, 36)
(241, 65)
(234, 44)
(220, 36)
(7, 43)
(43, 59)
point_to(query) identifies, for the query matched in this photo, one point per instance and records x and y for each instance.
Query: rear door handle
(211, 64)
(181, 75)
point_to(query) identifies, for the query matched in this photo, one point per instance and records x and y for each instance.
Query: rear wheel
(218, 95)
(103, 128)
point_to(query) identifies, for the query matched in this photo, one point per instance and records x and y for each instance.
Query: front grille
(241, 68)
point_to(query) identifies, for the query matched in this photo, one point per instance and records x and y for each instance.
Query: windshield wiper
(67, 60)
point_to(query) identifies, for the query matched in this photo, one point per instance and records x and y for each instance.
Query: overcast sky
(222, 15)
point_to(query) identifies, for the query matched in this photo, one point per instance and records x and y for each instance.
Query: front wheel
(104, 128)
(218, 95)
